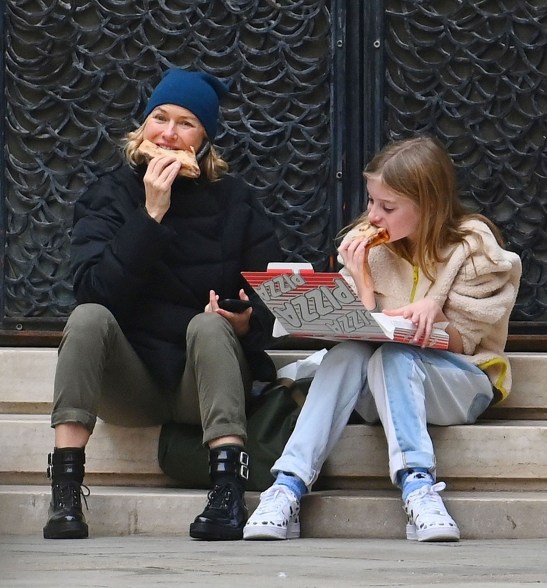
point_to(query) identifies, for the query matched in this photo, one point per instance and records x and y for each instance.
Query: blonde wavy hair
(212, 166)
(421, 169)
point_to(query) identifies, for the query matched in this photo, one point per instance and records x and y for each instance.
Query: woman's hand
(158, 179)
(424, 314)
(354, 254)
(240, 321)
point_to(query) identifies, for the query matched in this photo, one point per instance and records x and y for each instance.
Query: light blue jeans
(404, 386)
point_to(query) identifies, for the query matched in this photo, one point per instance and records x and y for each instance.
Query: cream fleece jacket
(476, 287)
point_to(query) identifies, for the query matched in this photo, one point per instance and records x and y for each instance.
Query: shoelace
(70, 494)
(219, 497)
(429, 499)
(268, 500)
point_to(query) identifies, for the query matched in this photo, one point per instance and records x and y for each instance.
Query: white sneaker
(276, 517)
(428, 519)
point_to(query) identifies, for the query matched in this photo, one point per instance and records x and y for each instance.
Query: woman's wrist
(155, 214)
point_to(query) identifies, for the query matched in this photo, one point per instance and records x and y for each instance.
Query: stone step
(27, 375)
(489, 455)
(502, 455)
(26, 379)
(117, 511)
(496, 470)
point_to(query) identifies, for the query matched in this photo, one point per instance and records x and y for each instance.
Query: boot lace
(69, 495)
(220, 497)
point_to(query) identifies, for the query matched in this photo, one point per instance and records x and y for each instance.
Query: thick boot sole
(66, 530)
(212, 532)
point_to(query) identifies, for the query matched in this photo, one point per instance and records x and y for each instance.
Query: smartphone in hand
(234, 304)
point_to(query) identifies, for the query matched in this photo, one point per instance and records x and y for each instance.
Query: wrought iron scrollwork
(474, 75)
(77, 76)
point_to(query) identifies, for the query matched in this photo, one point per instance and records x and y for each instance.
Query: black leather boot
(65, 518)
(226, 512)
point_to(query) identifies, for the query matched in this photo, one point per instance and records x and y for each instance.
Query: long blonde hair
(421, 169)
(211, 164)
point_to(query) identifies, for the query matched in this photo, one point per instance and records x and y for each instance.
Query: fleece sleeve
(483, 292)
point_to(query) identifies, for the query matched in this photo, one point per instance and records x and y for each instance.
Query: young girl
(441, 264)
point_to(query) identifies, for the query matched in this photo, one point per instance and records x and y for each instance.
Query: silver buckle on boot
(244, 465)
(49, 470)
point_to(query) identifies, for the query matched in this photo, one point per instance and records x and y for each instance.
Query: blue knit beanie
(199, 92)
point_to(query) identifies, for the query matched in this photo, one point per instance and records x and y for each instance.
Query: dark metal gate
(317, 87)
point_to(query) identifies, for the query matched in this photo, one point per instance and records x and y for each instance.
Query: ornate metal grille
(317, 86)
(474, 74)
(77, 76)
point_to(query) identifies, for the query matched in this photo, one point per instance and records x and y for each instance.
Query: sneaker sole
(433, 534)
(259, 534)
(269, 533)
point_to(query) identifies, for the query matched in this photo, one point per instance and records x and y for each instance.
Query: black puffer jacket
(154, 277)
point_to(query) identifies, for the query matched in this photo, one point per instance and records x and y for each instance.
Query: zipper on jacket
(416, 278)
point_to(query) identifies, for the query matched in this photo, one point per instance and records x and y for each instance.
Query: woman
(442, 264)
(153, 253)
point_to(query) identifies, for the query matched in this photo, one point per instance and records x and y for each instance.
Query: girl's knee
(390, 353)
(349, 351)
(389, 358)
(395, 350)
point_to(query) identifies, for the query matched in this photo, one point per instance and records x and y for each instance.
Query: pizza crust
(366, 230)
(189, 166)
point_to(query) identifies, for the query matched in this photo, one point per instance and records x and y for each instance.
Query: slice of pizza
(366, 230)
(375, 236)
(189, 166)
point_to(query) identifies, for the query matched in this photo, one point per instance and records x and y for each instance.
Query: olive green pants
(99, 374)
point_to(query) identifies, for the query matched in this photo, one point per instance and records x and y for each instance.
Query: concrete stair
(496, 470)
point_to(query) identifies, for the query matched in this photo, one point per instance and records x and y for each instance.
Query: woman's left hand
(240, 321)
(423, 314)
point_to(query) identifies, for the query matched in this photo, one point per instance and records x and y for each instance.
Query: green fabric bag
(270, 421)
